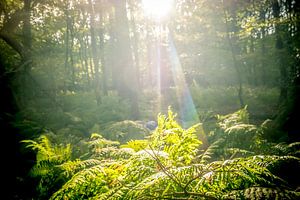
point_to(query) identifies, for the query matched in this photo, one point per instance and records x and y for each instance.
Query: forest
(150, 99)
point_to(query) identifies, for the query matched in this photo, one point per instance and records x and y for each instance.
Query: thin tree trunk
(127, 85)
(67, 38)
(102, 55)
(253, 63)
(263, 46)
(25, 86)
(233, 49)
(84, 62)
(72, 67)
(135, 49)
(95, 53)
(279, 48)
(89, 58)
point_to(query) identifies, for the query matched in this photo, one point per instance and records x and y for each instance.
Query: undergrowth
(170, 163)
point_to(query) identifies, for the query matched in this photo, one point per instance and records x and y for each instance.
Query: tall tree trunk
(135, 48)
(95, 53)
(89, 57)
(279, 49)
(263, 46)
(253, 63)
(84, 62)
(150, 58)
(102, 54)
(26, 90)
(234, 51)
(67, 49)
(27, 35)
(127, 80)
(72, 67)
(112, 48)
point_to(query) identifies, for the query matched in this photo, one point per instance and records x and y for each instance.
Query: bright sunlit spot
(157, 9)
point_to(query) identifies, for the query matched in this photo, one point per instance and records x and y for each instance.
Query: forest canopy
(152, 99)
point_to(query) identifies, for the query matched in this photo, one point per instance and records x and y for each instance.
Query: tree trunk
(84, 63)
(135, 49)
(102, 55)
(67, 39)
(234, 51)
(72, 67)
(263, 47)
(25, 83)
(95, 53)
(127, 80)
(279, 51)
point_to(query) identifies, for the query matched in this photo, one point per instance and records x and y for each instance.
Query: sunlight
(158, 9)
(188, 111)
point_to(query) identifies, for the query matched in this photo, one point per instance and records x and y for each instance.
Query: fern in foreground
(169, 165)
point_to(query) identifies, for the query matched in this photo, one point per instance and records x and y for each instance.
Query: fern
(97, 141)
(90, 182)
(169, 165)
(48, 156)
(72, 167)
(239, 117)
(136, 145)
(75, 188)
(181, 144)
(204, 157)
(213, 180)
(47, 151)
(262, 193)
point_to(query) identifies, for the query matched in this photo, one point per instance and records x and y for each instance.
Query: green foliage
(48, 156)
(125, 131)
(102, 148)
(47, 152)
(170, 165)
(235, 136)
(89, 182)
(181, 145)
(261, 193)
(239, 117)
(215, 180)
(136, 145)
(207, 155)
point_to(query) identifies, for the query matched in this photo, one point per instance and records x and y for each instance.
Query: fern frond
(217, 179)
(90, 182)
(72, 167)
(75, 188)
(239, 117)
(100, 142)
(136, 145)
(207, 154)
(47, 151)
(262, 193)
(43, 147)
(42, 168)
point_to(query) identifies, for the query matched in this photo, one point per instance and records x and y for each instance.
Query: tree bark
(95, 53)
(233, 50)
(102, 54)
(127, 80)
(67, 39)
(263, 46)
(279, 48)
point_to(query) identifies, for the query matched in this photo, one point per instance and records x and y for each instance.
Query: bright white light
(157, 9)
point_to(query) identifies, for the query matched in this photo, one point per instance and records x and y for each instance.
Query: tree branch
(12, 42)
